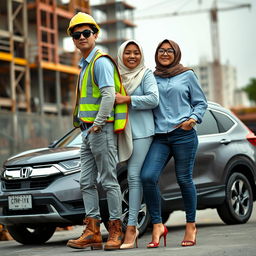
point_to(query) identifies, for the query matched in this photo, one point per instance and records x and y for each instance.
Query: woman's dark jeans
(182, 145)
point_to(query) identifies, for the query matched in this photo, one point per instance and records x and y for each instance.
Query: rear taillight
(251, 138)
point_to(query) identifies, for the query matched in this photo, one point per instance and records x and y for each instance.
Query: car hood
(43, 156)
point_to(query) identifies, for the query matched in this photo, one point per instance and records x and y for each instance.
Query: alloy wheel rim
(125, 207)
(240, 197)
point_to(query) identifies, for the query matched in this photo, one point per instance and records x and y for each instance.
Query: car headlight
(70, 166)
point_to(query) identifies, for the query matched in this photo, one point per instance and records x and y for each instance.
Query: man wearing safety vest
(99, 120)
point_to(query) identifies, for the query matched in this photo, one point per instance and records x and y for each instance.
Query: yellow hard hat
(81, 18)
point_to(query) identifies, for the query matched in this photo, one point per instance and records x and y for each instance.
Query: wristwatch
(96, 129)
(192, 124)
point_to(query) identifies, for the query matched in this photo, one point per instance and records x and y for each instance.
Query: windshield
(71, 139)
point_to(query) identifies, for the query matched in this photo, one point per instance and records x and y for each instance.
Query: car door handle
(225, 141)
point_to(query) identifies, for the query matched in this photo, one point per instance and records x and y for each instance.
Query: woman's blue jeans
(182, 145)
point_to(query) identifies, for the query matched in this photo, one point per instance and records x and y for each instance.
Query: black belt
(85, 126)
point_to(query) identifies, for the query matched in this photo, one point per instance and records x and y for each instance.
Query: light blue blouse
(180, 98)
(143, 100)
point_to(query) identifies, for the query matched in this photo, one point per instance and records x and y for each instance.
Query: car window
(224, 122)
(208, 125)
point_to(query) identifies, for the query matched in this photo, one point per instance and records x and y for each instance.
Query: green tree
(250, 89)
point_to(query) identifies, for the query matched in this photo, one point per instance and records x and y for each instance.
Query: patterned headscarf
(175, 67)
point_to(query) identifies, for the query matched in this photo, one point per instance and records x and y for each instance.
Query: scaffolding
(14, 55)
(37, 74)
(116, 20)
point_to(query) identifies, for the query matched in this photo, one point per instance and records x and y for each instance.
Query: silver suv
(39, 189)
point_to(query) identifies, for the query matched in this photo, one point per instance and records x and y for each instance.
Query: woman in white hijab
(142, 97)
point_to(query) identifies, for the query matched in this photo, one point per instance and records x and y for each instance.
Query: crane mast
(216, 66)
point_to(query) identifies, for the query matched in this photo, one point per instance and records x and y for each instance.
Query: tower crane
(217, 76)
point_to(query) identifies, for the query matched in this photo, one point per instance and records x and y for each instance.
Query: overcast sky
(237, 32)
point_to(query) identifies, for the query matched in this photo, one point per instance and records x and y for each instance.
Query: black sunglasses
(86, 33)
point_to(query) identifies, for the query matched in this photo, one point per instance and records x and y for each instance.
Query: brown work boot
(115, 237)
(91, 236)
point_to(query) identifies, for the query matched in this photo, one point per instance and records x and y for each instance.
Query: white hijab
(131, 78)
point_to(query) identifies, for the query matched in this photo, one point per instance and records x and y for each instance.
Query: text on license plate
(20, 202)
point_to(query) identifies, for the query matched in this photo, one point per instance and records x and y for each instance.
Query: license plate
(20, 202)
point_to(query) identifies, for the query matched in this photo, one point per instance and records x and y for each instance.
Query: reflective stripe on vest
(90, 98)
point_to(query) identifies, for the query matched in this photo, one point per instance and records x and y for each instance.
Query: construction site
(38, 71)
(39, 66)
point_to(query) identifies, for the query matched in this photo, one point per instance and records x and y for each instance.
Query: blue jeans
(181, 145)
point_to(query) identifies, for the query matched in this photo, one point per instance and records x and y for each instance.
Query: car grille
(11, 185)
(78, 204)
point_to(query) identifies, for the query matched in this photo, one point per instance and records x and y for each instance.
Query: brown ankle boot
(91, 236)
(115, 237)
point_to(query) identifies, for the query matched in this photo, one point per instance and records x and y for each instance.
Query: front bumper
(60, 202)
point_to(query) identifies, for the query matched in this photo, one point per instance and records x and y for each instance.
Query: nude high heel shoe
(131, 245)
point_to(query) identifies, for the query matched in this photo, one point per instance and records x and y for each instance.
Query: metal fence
(22, 131)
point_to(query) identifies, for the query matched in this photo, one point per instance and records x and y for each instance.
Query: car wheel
(143, 216)
(34, 235)
(238, 204)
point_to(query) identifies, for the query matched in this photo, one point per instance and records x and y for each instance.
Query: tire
(143, 217)
(238, 205)
(34, 235)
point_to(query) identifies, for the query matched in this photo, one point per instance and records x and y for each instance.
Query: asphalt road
(214, 239)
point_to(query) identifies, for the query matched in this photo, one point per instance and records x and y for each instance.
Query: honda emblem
(25, 172)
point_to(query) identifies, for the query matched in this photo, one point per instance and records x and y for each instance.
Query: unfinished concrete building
(116, 20)
(36, 73)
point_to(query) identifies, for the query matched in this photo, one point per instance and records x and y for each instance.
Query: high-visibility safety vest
(89, 98)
